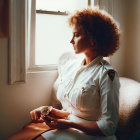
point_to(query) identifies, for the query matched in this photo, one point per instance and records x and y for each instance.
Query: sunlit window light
(53, 34)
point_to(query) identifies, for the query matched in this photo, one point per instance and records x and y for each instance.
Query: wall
(126, 60)
(132, 41)
(16, 101)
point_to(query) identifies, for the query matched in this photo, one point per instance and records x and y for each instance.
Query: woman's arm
(90, 128)
(109, 89)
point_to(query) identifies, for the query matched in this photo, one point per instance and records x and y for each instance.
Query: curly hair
(101, 27)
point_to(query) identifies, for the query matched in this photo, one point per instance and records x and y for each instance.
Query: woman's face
(80, 41)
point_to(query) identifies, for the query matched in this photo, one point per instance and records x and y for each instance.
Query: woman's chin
(76, 51)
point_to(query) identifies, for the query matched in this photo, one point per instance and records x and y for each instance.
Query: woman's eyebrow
(76, 32)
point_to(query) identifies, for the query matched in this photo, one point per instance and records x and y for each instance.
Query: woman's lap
(40, 138)
(71, 134)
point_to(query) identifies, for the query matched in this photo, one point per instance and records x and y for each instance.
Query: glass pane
(61, 5)
(53, 37)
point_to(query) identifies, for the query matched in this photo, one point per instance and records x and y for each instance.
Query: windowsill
(41, 69)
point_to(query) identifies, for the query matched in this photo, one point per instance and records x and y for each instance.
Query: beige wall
(127, 59)
(17, 100)
(132, 40)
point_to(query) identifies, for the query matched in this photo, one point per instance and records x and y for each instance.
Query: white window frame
(17, 41)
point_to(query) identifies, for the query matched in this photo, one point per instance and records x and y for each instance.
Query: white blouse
(89, 93)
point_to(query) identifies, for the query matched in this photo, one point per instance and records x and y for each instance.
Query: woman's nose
(72, 41)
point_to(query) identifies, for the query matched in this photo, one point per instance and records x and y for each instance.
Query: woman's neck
(89, 57)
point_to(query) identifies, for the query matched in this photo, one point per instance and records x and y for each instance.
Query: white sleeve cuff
(107, 127)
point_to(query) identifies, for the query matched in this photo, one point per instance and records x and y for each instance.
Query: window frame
(17, 42)
(31, 59)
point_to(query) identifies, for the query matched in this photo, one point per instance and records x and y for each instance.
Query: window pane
(61, 5)
(53, 37)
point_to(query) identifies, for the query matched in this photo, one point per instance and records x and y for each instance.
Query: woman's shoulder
(106, 69)
(106, 66)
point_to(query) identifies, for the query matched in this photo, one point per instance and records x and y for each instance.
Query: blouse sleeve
(109, 91)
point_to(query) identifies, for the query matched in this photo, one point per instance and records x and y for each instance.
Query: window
(22, 50)
(52, 34)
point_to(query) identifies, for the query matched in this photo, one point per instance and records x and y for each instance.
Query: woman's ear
(92, 42)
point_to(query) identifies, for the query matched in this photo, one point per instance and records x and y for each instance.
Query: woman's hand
(35, 114)
(54, 123)
(59, 113)
(54, 113)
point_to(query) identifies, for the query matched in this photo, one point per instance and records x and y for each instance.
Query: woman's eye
(77, 35)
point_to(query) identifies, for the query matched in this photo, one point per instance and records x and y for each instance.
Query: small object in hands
(46, 110)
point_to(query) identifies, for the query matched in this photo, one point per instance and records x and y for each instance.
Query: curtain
(19, 40)
(4, 18)
(113, 7)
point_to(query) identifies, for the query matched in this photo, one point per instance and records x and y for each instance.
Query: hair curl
(101, 27)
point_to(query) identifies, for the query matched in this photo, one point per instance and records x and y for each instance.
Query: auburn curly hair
(100, 26)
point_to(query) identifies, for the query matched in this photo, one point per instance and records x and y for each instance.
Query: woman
(88, 89)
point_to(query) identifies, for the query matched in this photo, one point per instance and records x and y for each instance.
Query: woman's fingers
(38, 121)
(45, 110)
(50, 121)
(31, 115)
(48, 118)
(35, 114)
(56, 123)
